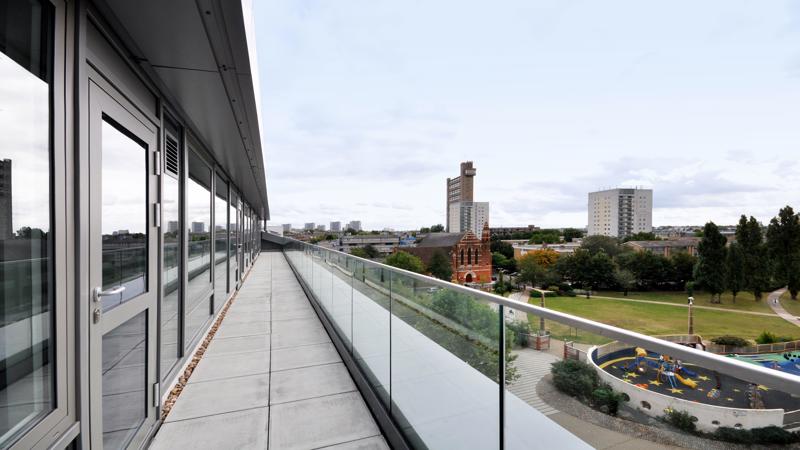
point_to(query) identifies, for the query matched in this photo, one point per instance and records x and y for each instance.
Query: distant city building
(354, 225)
(620, 212)
(198, 227)
(468, 216)
(287, 227)
(384, 244)
(309, 226)
(336, 226)
(470, 256)
(666, 247)
(459, 189)
(172, 226)
(6, 205)
(507, 231)
(320, 227)
(563, 248)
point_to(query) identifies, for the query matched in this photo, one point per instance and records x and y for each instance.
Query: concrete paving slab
(371, 443)
(309, 355)
(320, 422)
(292, 339)
(296, 325)
(240, 429)
(241, 344)
(309, 382)
(230, 366)
(242, 329)
(221, 396)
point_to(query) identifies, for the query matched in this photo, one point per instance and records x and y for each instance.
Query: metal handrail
(738, 369)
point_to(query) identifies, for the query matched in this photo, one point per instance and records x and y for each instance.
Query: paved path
(532, 365)
(774, 302)
(271, 378)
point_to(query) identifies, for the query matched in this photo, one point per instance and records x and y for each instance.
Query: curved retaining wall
(709, 417)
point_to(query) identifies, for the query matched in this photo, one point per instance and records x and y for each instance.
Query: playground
(788, 362)
(664, 375)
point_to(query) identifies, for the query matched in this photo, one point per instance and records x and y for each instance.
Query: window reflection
(170, 202)
(26, 238)
(124, 215)
(198, 198)
(233, 217)
(221, 243)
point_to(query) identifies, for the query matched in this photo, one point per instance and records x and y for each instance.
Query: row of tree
(438, 266)
(754, 262)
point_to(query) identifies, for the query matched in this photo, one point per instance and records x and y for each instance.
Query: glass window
(171, 278)
(233, 218)
(124, 215)
(221, 243)
(26, 222)
(198, 201)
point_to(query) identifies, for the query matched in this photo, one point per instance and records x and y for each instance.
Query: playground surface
(788, 362)
(709, 387)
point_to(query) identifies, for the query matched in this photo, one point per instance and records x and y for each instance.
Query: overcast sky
(368, 106)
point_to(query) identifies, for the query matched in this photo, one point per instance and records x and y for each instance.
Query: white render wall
(604, 213)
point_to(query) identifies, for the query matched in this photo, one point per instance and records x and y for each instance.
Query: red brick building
(470, 256)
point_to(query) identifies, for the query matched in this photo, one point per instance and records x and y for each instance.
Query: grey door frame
(104, 100)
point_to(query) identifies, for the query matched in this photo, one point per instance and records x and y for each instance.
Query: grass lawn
(652, 319)
(792, 306)
(744, 301)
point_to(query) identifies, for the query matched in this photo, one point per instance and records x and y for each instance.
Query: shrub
(734, 341)
(773, 435)
(770, 338)
(736, 435)
(520, 331)
(681, 420)
(607, 399)
(575, 378)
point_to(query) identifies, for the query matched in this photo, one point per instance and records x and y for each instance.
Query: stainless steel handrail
(774, 379)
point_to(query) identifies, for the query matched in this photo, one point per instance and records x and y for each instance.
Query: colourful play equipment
(667, 370)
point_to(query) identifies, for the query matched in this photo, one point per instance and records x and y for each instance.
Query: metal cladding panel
(201, 54)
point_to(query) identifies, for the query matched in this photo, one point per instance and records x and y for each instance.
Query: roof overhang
(202, 55)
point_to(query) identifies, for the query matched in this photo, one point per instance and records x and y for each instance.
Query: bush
(734, 341)
(681, 420)
(771, 435)
(575, 378)
(770, 338)
(607, 399)
(520, 331)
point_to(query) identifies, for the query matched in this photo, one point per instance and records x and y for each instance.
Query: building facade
(470, 255)
(468, 216)
(354, 225)
(384, 244)
(620, 212)
(137, 116)
(460, 189)
(309, 226)
(563, 248)
(666, 247)
(336, 227)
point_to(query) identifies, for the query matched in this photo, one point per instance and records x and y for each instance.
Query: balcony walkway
(271, 378)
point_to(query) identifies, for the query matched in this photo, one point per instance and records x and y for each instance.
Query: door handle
(99, 292)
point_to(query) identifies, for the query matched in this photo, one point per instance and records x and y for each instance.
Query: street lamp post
(691, 318)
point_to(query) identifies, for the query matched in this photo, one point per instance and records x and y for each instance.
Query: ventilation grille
(171, 157)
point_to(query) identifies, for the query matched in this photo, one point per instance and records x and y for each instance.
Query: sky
(368, 106)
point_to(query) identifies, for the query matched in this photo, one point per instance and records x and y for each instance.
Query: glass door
(123, 264)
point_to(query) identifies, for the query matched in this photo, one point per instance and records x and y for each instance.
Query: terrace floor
(271, 378)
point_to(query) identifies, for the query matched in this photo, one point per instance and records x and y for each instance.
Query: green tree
(734, 263)
(371, 251)
(625, 280)
(596, 243)
(425, 230)
(710, 271)
(529, 269)
(682, 268)
(501, 262)
(587, 270)
(548, 236)
(601, 271)
(783, 242)
(407, 261)
(438, 228)
(572, 233)
(642, 236)
(502, 247)
(756, 260)
(360, 252)
(439, 266)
